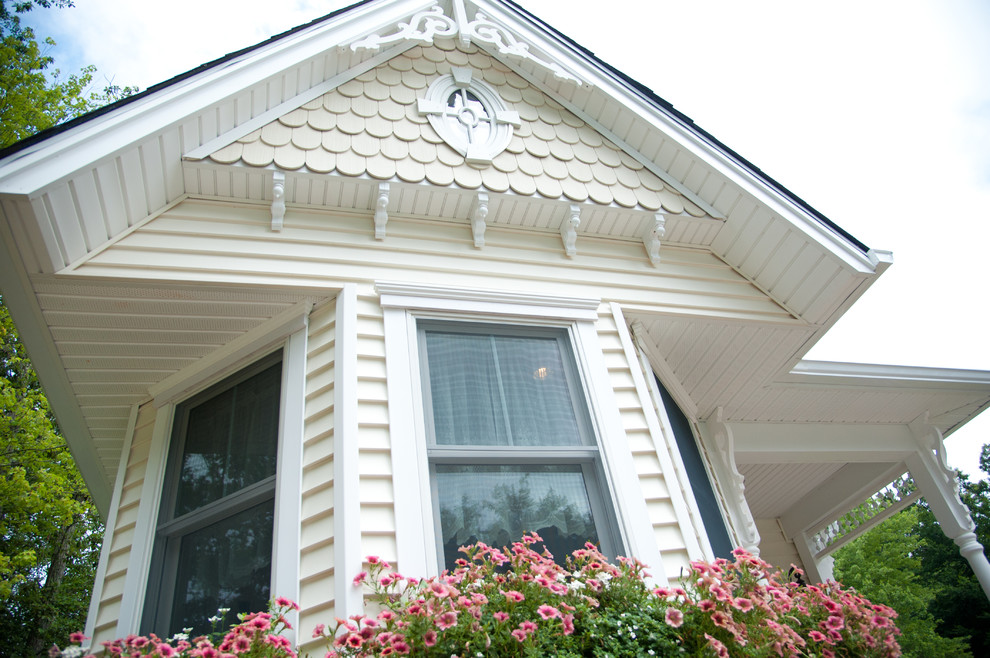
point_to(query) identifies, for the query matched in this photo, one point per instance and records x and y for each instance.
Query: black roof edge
(106, 109)
(645, 91)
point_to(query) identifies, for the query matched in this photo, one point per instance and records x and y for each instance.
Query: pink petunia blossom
(318, 631)
(548, 611)
(283, 602)
(706, 605)
(568, 623)
(817, 636)
(77, 638)
(165, 650)
(501, 616)
(447, 620)
(835, 623)
(519, 635)
(674, 617)
(513, 595)
(430, 638)
(359, 579)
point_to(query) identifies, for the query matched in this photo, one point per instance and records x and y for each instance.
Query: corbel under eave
(381, 210)
(568, 230)
(479, 212)
(652, 237)
(278, 200)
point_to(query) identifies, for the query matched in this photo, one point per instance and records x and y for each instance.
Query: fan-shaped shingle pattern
(370, 126)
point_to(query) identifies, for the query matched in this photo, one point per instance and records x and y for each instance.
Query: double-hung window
(510, 442)
(213, 542)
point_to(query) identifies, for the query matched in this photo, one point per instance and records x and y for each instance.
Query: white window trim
(287, 331)
(403, 306)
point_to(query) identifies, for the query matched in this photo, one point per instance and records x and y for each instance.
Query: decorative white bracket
(733, 480)
(652, 237)
(424, 26)
(381, 211)
(479, 212)
(568, 230)
(940, 487)
(278, 200)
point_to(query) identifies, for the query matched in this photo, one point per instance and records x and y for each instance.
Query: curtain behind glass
(499, 391)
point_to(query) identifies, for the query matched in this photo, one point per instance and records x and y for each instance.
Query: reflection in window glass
(228, 443)
(224, 565)
(496, 504)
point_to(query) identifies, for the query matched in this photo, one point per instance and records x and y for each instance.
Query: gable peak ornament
(424, 26)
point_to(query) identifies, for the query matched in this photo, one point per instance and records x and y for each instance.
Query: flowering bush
(257, 635)
(518, 602)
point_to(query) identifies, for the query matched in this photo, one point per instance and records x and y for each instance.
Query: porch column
(816, 570)
(938, 484)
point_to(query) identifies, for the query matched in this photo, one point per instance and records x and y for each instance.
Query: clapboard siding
(316, 573)
(119, 539)
(314, 248)
(652, 479)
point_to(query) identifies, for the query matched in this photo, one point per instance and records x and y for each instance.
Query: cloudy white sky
(876, 113)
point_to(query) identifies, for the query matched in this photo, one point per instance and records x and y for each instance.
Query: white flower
(72, 652)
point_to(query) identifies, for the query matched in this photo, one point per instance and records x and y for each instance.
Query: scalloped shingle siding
(370, 126)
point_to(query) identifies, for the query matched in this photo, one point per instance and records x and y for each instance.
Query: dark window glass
(711, 513)
(213, 548)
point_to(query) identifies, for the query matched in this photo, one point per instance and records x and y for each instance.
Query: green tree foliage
(908, 563)
(959, 604)
(34, 95)
(50, 532)
(883, 565)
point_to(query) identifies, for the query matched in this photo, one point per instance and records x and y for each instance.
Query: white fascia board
(705, 150)
(845, 375)
(784, 443)
(30, 171)
(18, 295)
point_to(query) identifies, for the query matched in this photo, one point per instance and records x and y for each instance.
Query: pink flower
(548, 611)
(439, 590)
(77, 638)
(717, 646)
(447, 620)
(501, 616)
(720, 619)
(568, 623)
(834, 622)
(354, 641)
(430, 638)
(743, 604)
(817, 636)
(706, 605)
(165, 650)
(674, 617)
(528, 626)
(241, 644)
(283, 602)
(880, 622)
(318, 631)
(359, 579)
(513, 595)
(387, 615)
(519, 635)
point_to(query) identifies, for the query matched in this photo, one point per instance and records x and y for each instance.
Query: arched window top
(469, 115)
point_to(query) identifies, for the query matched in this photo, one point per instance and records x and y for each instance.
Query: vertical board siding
(376, 497)
(316, 560)
(652, 480)
(120, 540)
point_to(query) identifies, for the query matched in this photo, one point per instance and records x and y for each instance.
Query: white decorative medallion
(469, 115)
